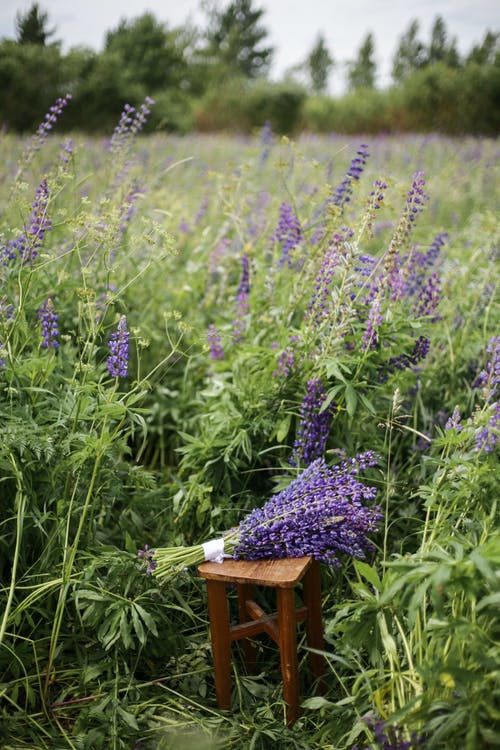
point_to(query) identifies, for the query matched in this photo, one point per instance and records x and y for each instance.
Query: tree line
(187, 70)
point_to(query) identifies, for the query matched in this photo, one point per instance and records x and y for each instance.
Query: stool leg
(314, 625)
(247, 591)
(221, 641)
(288, 651)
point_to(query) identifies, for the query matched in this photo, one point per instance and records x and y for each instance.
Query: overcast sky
(293, 25)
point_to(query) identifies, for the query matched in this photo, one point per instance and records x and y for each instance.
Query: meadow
(186, 324)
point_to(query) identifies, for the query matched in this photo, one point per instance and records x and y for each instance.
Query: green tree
(488, 52)
(236, 38)
(31, 27)
(31, 78)
(152, 55)
(440, 48)
(410, 54)
(361, 72)
(319, 63)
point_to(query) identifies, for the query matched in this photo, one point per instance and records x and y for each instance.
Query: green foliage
(488, 52)
(92, 653)
(30, 76)
(440, 49)
(31, 27)
(319, 63)
(279, 104)
(243, 107)
(363, 110)
(410, 54)
(214, 78)
(439, 98)
(235, 37)
(153, 56)
(362, 70)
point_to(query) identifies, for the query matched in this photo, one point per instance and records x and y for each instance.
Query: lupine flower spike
(118, 348)
(50, 331)
(26, 246)
(314, 425)
(214, 343)
(242, 300)
(321, 513)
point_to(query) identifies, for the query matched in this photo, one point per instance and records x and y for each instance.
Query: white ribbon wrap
(214, 550)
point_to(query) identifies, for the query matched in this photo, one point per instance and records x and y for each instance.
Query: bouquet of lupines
(321, 513)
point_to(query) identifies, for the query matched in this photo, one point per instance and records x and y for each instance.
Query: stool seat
(282, 575)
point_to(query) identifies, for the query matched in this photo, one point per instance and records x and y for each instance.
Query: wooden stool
(283, 575)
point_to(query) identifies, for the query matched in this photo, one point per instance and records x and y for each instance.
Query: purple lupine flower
(343, 193)
(320, 513)
(7, 311)
(142, 115)
(49, 121)
(266, 141)
(403, 361)
(286, 362)
(415, 201)
(117, 362)
(214, 343)
(392, 737)
(202, 210)
(416, 196)
(377, 195)
(288, 234)
(217, 254)
(27, 244)
(147, 555)
(375, 200)
(370, 335)
(488, 379)
(454, 421)
(434, 251)
(314, 425)
(317, 309)
(242, 302)
(48, 319)
(429, 296)
(128, 208)
(488, 437)
(130, 123)
(67, 149)
(409, 275)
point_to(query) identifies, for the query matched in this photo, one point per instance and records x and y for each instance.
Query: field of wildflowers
(187, 326)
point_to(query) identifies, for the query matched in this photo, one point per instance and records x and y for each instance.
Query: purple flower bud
(370, 335)
(27, 244)
(48, 318)
(147, 555)
(118, 348)
(488, 379)
(288, 234)
(242, 300)
(344, 191)
(320, 513)
(214, 342)
(314, 426)
(488, 437)
(453, 422)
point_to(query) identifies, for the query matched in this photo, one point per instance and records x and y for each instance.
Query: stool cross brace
(283, 575)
